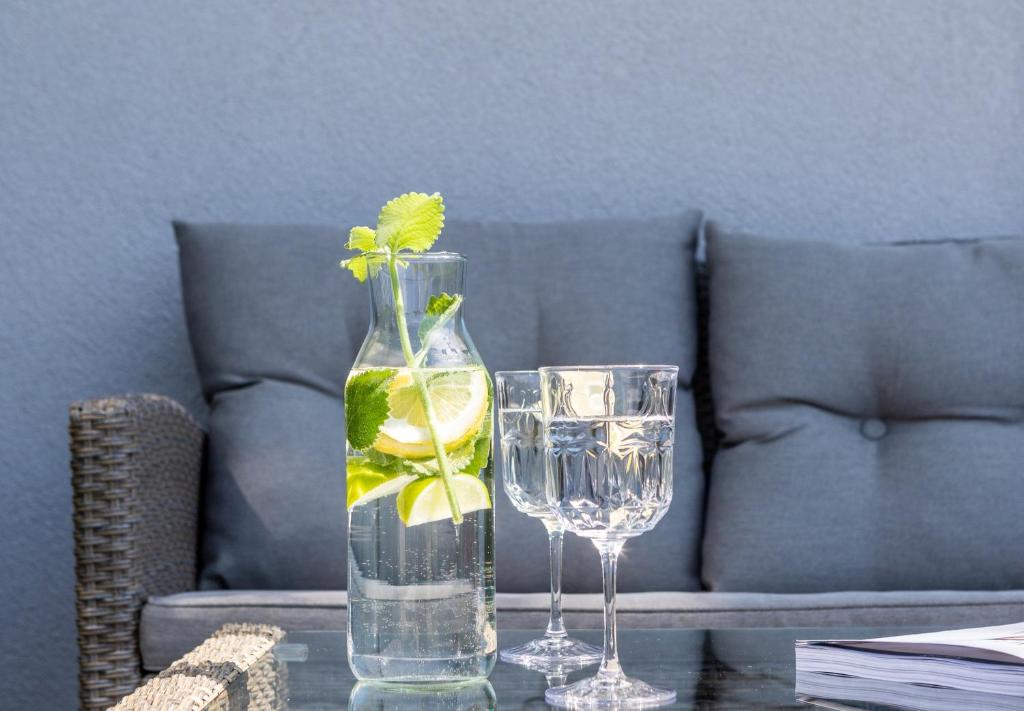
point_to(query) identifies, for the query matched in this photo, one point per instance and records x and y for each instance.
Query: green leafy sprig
(366, 406)
(408, 223)
(440, 310)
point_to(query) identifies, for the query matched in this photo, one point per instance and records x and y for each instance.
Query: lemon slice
(460, 402)
(424, 500)
(364, 484)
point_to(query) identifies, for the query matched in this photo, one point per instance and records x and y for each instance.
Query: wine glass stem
(555, 627)
(609, 563)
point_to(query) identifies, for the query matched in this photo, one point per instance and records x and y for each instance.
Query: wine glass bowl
(611, 476)
(608, 438)
(521, 429)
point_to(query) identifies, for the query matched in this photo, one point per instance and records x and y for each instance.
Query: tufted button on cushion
(871, 400)
(873, 428)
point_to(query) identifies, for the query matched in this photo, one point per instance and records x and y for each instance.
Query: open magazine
(917, 670)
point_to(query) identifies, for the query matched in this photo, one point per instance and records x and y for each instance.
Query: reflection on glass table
(469, 696)
(709, 669)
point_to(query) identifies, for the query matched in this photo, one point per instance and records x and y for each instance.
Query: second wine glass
(521, 429)
(608, 436)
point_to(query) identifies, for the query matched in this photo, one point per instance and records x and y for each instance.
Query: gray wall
(879, 119)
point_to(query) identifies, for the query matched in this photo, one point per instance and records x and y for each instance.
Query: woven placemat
(233, 669)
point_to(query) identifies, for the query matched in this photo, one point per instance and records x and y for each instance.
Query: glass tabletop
(710, 669)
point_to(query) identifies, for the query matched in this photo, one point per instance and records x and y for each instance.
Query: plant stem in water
(421, 387)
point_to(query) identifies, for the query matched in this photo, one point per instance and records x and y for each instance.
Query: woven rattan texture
(234, 669)
(135, 463)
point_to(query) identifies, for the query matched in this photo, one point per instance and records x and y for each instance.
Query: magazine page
(1003, 643)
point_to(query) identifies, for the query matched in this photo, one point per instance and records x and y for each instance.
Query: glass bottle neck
(413, 282)
(402, 334)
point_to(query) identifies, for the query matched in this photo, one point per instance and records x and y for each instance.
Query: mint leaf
(386, 462)
(482, 444)
(481, 451)
(356, 265)
(365, 465)
(362, 238)
(440, 310)
(439, 303)
(411, 221)
(366, 406)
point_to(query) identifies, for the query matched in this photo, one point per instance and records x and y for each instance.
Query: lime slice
(424, 500)
(460, 402)
(366, 483)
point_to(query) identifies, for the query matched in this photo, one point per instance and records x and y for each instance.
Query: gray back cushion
(871, 400)
(275, 325)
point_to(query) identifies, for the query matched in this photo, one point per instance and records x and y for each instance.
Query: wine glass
(608, 434)
(521, 430)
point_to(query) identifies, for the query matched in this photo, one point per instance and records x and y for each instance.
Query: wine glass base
(609, 692)
(552, 653)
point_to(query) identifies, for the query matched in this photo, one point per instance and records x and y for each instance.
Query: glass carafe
(421, 521)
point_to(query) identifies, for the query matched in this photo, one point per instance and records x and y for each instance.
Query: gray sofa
(849, 446)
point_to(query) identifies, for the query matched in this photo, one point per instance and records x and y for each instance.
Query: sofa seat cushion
(174, 624)
(275, 325)
(871, 403)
